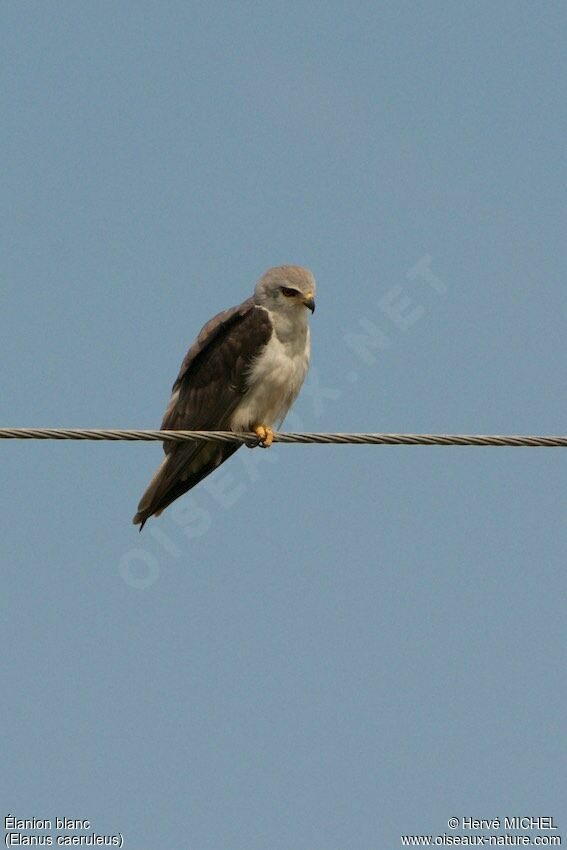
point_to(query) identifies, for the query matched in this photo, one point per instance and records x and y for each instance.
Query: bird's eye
(289, 292)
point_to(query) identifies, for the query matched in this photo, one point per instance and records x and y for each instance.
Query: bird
(242, 373)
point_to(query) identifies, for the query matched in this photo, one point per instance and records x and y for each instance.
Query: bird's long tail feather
(182, 469)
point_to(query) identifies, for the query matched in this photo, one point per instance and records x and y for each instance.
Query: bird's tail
(147, 505)
(183, 467)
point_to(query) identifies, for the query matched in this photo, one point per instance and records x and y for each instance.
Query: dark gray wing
(211, 382)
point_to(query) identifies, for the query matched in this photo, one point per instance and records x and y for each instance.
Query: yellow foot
(265, 435)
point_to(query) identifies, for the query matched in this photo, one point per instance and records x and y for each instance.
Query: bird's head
(287, 289)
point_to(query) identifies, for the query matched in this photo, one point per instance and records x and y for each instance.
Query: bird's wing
(211, 382)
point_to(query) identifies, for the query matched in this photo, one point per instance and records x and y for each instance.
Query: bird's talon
(265, 436)
(252, 444)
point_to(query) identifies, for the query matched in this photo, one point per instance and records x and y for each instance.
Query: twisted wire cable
(325, 438)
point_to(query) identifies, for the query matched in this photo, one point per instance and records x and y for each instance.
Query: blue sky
(320, 647)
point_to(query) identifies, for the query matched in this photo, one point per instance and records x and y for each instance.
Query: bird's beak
(309, 301)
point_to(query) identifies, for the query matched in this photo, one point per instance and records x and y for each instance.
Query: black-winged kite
(242, 373)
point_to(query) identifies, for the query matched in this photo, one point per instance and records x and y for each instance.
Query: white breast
(274, 380)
